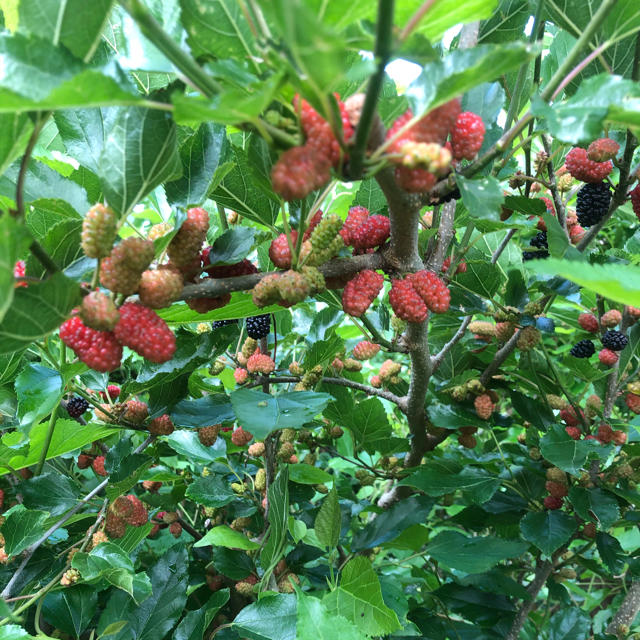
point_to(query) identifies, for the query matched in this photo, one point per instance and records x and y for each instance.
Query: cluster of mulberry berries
(418, 293)
(125, 510)
(301, 170)
(361, 291)
(363, 231)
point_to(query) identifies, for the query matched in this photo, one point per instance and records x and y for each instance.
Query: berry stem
(553, 187)
(222, 216)
(382, 53)
(47, 441)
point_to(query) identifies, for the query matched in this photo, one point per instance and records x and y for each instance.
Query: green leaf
(306, 474)
(482, 197)
(322, 352)
(232, 246)
(210, 491)
(481, 278)
(569, 623)
(532, 410)
(201, 412)
(54, 299)
(462, 70)
(195, 623)
(611, 552)
(315, 621)
(62, 243)
(273, 617)
(157, 614)
(478, 485)
(201, 154)
(388, 525)
(563, 451)
(595, 502)
(14, 240)
(50, 491)
(39, 390)
(82, 131)
(616, 282)
(140, 152)
(369, 424)
(22, 527)
(472, 555)
(187, 443)
(72, 23)
(328, 522)
(359, 599)
(453, 417)
(14, 632)
(223, 536)
(278, 497)
(262, 413)
(507, 22)
(548, 530)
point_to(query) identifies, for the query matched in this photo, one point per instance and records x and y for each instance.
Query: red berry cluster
(123, 511)
(582, 168)
(301, 170)
(19, 271)
(365, 350)
(260, 363)
(635, 200)
(97, 349)
(361, 291)
(467, 136)
(418, 292)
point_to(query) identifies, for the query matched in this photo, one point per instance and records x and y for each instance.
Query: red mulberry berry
(633, 402)
(585, 170)
(142, 330)
(298, 172)
(611, 318)
(484, 406)
(619, 437)
(467, 440)
(573, 432)
(432, 290)
(99, 230)
(406, 302)
(361, 291)
(135, 411)
(99, 312)
(19, 271)
(209, 435)
(113, 391)
(415, 180)
(356, 217)
(84, 461)
(161, 426)
(602, 149)
(467, 136)
(556, 489)
(635, 200)
(605, 433)
(175, 529)
(97, 349)
(588, 322)
(279, 251)
(260, 363)
(159, 288)
(608, 357)
(438, 123)
(240, 375)
(115, 526)
(365, 350)
(551, 502)
(372, 232)
(185, 245)
(138, 515)
(240, 437)
(98, 466)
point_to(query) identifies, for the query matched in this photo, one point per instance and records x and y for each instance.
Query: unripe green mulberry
(285, 451)
(364, 477)
(248, 347)
(556, 475)
(292, 287)
(325, 232)
(266, 292)
(528, 338)
(483, 328)
(314, 279)
(261, 480)
(351, 364)
(99, 229)
(216, 368)
(121, 271)
(288, 435)
(556, 402)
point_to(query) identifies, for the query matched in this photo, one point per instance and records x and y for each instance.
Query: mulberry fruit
(528, 338)
(361, 291)
(432, 290)
(635, 201)
(258, 326)
(365, 350)
(585, 170)
(99, 312)
(467, 136)
(614, 340)
(279, 251)
(405, 301)
(240, 375)
(611, 318)
(633, 402)
(98, 466)
(77, 406)
(142, 330)
(120, 272)
(97, 349)
(185, 246)
(356, 217)
(99, 230)
(161, 426)
(592, 203)
(415, 180)
(240, 437)
(299, 171)
(588, 322)
(373, 232)
(602, 149)
(552, 503)
(583, 349)
(260, 363)
(159, 288)
(135, 411)
(483, 406)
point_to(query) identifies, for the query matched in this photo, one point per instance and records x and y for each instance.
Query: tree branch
(627, 612)
(501, 355)
(445, 235)
(437, 359)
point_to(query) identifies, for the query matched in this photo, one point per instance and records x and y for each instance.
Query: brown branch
(553, 186)
(626, 614)
(501, 355)
(445, 235)
(437, 359)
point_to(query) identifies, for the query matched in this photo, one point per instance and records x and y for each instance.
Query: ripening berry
(135, 411)
(602, 149)
(611, 318)
(120, 272)
(389, 369)
(504, 331)
(589, 530)
(99, 230)
(432, 290)
(556, 475)
(556, 489)
(240, 375)
(138, 515)
(551, 502)
(588, 322)
(161, 426)
(240, 437)
(98, 466)
(175, 529)
(97, 349)
(484, 406)
(605, 433)
(84, 461)
(585, 170)
(365, 350)
(209, 435)
(151, 486)
(619, 437)
(279, 251)
(573, 432)
(361, 291)
(415, 180)
(256, 449)
(528, 338)
(260, 363)
(373, 232)
(98, 311)
(635, 200)
(633, 402)
(405, 301)
(608, 357)
(185, 246)
(376, 382)
(299, 171)
(467, 136)
(159, 288)
(142, 330)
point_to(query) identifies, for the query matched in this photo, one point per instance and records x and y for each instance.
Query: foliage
(358, 392)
